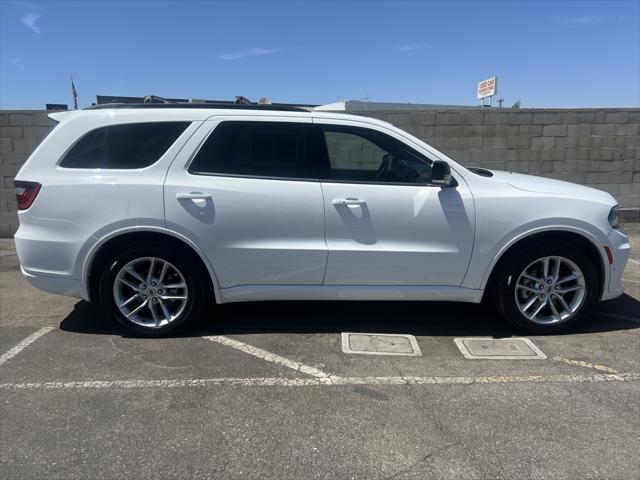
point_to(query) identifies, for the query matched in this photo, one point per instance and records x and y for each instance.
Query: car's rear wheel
(548, 289)
(151, 290)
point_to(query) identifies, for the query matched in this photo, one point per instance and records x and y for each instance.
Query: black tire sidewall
(506, 288)
(181, 262)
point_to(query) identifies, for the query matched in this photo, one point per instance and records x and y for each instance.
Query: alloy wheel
(150, 292)
(550, 290)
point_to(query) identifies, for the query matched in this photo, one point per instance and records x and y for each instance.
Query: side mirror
(440, 173)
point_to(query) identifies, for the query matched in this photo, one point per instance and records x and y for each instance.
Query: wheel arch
(99, 254)
(581, 239)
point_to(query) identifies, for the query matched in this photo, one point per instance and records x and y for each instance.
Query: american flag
(74, 93)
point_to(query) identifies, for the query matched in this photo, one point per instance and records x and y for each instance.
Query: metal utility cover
(380, 344)
(499, 349)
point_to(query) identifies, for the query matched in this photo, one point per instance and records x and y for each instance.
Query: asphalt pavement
(264, 390)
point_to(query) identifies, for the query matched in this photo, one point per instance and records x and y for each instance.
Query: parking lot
(265, 390)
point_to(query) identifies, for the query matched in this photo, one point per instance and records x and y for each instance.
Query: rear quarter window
(124, 146)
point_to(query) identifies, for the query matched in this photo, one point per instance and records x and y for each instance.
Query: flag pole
(74, 93)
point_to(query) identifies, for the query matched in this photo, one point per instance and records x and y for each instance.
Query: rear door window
(124, 146)
(255, 149)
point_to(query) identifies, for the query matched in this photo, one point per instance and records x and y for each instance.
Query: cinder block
(506, 131)
(593, 116)
(43, 120)
(22, 119)
(567, 117)
(620, 177)
(590, 141)
(15, 157)
(5, 145)
(11, 132)
(520, 118)
(540, 167)
(399, 118)
(38, 132)
(493, 165)
(633, 141)
(607, 187)
(423, 118)
(630, 189)
(518, 142)
(446, 118)
(565, 166)
(544, 118)
(601, 154)
(9, 170)
(481, 130)
(481, 154)
(597, 178)
(462, 156)
(603, 129)
(518, 166)
(530, 130)
(622, 153)
(627, 129)
(579, 129)
(614, 142)
(505, 154)
(4, 119)
(529, 155)
(496, 118)
(554, 130)
(471, 117)
(577, 153)
(566, 142)
(470, 142)
(573, 177)
(554, 154)
(27, 144)
(611, 166)
(616, 117)
(543, 142)
(495, 142)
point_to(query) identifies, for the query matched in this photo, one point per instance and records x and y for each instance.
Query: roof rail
(230, 106)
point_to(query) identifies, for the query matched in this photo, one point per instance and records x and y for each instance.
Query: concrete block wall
(20, 133)
(596, 147)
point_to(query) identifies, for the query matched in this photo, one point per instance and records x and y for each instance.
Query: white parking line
(581, 363)
(332, 381)
(5, 357)
(271, 357)
(634, 261)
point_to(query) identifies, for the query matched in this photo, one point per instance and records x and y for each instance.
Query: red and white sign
(488, 87)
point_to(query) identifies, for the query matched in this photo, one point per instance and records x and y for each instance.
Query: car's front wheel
(547, 289)
(151, 290)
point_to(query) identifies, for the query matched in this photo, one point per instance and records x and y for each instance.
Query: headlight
(613, 217)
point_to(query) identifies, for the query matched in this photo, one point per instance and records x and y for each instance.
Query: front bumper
(620, 248)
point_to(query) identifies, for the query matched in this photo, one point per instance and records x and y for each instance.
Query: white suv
(158, 209)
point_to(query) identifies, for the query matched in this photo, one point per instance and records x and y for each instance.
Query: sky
(545, 53)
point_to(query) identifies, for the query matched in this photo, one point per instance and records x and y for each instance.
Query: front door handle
(348, 201)
(193, 196)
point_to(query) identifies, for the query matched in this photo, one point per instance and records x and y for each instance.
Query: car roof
(195, 112)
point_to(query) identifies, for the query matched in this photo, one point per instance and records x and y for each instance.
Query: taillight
(26, 193)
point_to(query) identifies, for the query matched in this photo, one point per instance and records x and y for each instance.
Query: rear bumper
(620, 248)
(57, 285)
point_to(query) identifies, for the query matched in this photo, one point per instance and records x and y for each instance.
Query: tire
(166, 311)
(516, 292)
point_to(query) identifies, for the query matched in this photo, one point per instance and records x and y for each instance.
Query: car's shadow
(416, 318)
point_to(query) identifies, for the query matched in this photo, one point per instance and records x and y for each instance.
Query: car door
(241, 190)
(386, 224)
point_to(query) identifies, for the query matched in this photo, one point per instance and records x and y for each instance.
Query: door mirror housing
(440, 173)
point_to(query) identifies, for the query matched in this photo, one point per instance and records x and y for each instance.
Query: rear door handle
(348, 201)
(193, 196)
